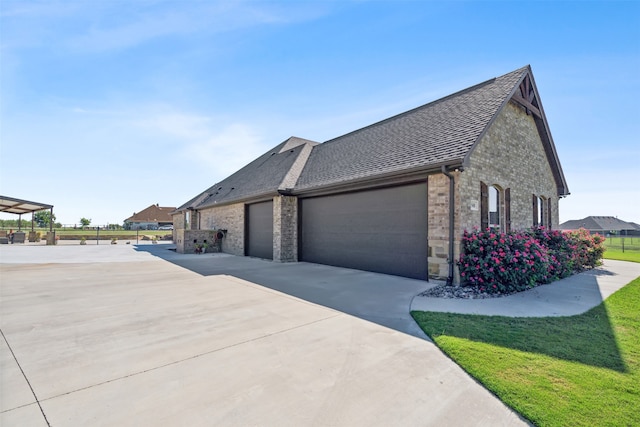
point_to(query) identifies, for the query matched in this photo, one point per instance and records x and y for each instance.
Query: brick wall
(230, 218)
(203, 223)
(510, 155)
(285, 229)
(438, 220)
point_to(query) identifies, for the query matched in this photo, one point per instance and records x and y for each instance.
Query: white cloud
(225, 150)
(146, 21)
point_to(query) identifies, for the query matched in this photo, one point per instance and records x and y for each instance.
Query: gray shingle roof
(263, 176)
(443, 132)
(440, 132)
(153, 213)
(598, 223)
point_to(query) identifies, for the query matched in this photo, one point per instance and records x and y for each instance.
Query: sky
(108, 107)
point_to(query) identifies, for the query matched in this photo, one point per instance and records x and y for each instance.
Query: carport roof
(19, 206)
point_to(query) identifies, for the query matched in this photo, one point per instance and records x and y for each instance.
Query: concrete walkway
(141, 336)
(567, 297)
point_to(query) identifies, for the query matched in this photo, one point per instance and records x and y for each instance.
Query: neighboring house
(394, 197)
(150, 218)
(605, 225)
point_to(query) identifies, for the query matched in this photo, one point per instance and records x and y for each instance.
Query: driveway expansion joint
(196, 356)
(25, 378)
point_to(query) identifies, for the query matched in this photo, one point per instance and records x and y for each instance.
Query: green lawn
(622, 248)
(104, 234)
(564, 371)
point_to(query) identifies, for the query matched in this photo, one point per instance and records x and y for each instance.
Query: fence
(623, 243)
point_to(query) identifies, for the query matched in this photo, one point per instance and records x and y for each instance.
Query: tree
(43, 218)
(84, 222)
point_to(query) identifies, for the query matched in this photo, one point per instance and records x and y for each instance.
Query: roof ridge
(431, 103)
(294, 142)
(291, 178)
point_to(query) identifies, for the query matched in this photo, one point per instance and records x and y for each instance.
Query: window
(494, 207)
(541, 211)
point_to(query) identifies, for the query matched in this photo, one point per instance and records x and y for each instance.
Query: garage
(259, 231)
(382, 230)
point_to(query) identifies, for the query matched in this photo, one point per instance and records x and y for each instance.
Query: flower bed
(497, 262)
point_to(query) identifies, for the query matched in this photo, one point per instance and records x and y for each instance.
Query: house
(394, 197)
(605, 225)
(150, 218)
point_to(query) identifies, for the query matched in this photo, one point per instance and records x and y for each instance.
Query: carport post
(97, 235)
(51, 222)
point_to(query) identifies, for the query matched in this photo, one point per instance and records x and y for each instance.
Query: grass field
(579, 371)
(91, 234)
(623, 248)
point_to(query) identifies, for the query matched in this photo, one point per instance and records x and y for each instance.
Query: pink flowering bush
(510, 262)
(588, 248)
(562, 252)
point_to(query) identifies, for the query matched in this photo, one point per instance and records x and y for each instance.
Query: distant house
(150, 218)
(605, 225)
(394, 197)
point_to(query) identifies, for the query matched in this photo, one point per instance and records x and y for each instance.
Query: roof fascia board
(246, 200)
(563, 189)
(377, 181)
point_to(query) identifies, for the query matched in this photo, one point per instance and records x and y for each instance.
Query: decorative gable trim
(525, 94)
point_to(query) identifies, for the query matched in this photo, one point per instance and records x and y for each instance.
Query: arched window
(494, 207)
(494, 211)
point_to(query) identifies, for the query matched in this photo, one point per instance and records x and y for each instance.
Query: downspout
(452, 207)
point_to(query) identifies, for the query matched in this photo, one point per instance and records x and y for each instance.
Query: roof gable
(153, 213)
(442, 132)
(525, 93)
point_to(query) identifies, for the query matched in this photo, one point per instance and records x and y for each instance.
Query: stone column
(285, 228)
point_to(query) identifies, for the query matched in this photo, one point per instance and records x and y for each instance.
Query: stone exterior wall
(230, 218)
(510, 155)
(285, 229)
(178, 224)
(438, 220)
(202, 225)
(191, 238)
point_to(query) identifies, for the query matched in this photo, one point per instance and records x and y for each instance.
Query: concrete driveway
(139, 335)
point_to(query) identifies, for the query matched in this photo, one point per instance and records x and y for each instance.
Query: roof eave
(379, 180)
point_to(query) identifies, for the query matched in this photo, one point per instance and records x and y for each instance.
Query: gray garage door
(381, 230)
(260, 230)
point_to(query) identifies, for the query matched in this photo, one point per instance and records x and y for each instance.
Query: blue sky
(107, 107)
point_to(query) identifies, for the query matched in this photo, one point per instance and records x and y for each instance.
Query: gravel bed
(462, 292)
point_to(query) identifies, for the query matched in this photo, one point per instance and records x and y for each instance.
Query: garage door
(260, 230)
(383, 230)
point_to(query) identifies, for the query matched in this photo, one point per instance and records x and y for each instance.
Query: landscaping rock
(463, 292)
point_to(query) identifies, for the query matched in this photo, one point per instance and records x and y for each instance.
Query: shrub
(562, 261)
(588, 249)
(502, 262)
(510, 262)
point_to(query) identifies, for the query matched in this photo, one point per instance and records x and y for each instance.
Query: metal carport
(19, 207)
